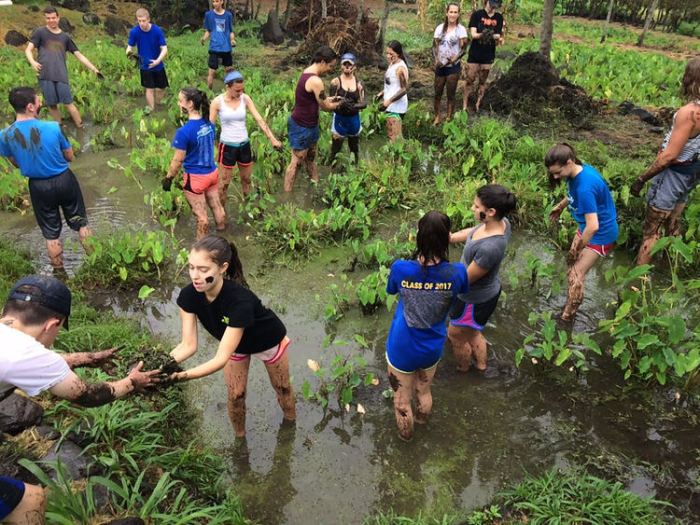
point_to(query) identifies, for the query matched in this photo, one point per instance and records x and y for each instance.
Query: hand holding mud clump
(487, 37)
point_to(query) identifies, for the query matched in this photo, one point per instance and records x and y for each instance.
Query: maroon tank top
(305, 112)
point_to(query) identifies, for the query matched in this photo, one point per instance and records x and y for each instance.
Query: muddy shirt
(36, 146)
(27, 364)
(449, 42)
(488, 253)
(52, 49)
(238, 307)
(480, 53)
(425, 297)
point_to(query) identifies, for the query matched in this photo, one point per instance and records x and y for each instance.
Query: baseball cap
(49, 292)
(495, 3)
(348, 57)
(233, 76)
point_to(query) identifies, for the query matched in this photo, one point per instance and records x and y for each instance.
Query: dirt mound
(533, 91)
(339, 30)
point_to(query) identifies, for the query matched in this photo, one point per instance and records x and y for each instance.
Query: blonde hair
(141, 12)
(691, 80)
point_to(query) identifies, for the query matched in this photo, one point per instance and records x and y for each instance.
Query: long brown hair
(446, 22)
(691, 80)
(222, 251)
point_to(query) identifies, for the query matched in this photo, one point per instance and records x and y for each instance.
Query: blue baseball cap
(348, 57)
(233, 76)
(49, 292)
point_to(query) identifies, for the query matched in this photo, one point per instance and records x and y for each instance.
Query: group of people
(431, 289)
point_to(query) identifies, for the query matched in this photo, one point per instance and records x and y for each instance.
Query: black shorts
(474, 316)
(154, 79)
(229, 156)
(49, 196)
(11, 493)
(223, 57)
(446, 71)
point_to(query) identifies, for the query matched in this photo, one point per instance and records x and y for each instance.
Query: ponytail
(235, 267)
(497, 197)
(222, 251)
(199, 100)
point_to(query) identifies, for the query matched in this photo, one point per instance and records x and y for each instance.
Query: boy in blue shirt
(42, 153)
(218, 25)
(592, 207)
(149, 39)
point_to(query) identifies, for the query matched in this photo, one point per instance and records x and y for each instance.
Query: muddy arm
(227, 346)
(88, 359)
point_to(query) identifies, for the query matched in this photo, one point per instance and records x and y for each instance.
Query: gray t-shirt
(488, 254)
(52, 53)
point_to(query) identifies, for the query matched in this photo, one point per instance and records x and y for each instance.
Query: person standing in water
(449, 46)
(346, 119)
(149, 39)
(486, 30)
(427, 287)
(484, 250)
(234, 144)
(395, 93)
(676, 170)
(591, 205)
(194, 151)
(302, 125)
(218, 27)
(220, 299)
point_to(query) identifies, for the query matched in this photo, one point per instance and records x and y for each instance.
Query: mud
(532, 92)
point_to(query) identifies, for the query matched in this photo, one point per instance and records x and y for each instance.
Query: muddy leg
(424, 398)
(336, 146)
(75, 115)
(210, 78)
(451, 94)
(198, 203)
(279, 379)
(469, 78)
(577, 276)
(244, 173)
(403, 393)
(461, 346)
(673, 224)
(151, 98)
(439, 87)
(483, 77)
(55, 251)
(393, 128)
(354, 145)
(479, 347)
(236, 378)
(311, 168)
(290, 174)
(224, 182)
(31, 508)
(212, 197)
(651, 232)
(55, 113)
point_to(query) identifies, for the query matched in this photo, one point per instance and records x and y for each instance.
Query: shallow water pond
(484, 433)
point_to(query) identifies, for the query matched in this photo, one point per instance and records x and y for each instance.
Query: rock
(75, 5)
(656, 129)
(116, 26)
(15, 38)
(75, 466)
(65, 25)
(127, 521)
(48, 432)
(625, 107)
(271, 30)
(18, 413)
(646, 116)
(91, 19)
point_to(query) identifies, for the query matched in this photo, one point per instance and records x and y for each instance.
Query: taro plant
(339, 380)
(14, 193)
(371, 291)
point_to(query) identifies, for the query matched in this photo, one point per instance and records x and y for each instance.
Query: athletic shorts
(225, 58)
(346, 126)
(300, 137)
(154, 79)
(198, 184)
(601, 249)
(11, 493)
(474, 316)
(407, 361)
(50, 196)
(269, 356)
(232, 154)
(55, 92)
(673, 186)
(446, 71)
(392, 114)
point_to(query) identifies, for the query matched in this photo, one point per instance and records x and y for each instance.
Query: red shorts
(198, 184)
(601, 249)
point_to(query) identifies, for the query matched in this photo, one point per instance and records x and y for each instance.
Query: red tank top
(305, 112)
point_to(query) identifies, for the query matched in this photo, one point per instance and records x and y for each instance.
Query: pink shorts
(198, 184)
(270, 356)
(601, 249)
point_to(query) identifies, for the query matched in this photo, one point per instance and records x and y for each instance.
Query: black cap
(495, 3)
(49, 292)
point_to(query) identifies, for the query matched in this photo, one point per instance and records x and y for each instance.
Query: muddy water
(484, 434)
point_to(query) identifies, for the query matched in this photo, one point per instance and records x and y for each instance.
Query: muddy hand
(100, 75)
(636, 187)
(179, 376)
(142, 380)
(554, 215)
(167, 183)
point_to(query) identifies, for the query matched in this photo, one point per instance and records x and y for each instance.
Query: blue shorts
(407, 361)
(11, 493)
(673, 186)
(346, 126)
(55, 93)
(300, 137)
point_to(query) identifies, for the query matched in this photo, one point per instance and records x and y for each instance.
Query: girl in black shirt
(219, 297)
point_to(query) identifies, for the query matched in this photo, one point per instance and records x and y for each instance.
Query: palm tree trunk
(650, 16)
(607, 22)
(547, 28)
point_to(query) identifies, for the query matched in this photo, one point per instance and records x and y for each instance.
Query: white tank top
(233, 128)
(393, 86)
(691, 149)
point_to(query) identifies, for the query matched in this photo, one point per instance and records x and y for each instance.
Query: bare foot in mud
(436, 120)
(420, 418)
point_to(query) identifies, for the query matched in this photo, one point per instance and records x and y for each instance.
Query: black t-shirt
(484, 53)
(238, 307)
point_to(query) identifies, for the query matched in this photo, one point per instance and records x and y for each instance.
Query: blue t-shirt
(36, 146)
(220, 28)
(149, 44)
(589, 193)
(426, 294)
(196, 137)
